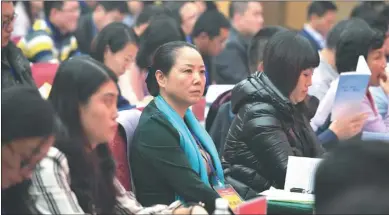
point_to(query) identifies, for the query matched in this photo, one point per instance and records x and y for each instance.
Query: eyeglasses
(6, 23)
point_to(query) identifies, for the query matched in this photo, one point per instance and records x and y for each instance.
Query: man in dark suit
(246, 20)
(321, 18)
(89, 25)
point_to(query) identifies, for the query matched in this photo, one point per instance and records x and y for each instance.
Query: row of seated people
(24, 144)
(172, 157)
(301, 140)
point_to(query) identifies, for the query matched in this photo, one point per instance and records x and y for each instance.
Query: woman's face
(119, 61)
(300, 91)
(98, 116)
(36, 7)
(19, 158)
(376, 60)
(186, 81)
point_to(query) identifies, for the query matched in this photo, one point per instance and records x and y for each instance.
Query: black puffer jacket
(267, 129)
(15, 68)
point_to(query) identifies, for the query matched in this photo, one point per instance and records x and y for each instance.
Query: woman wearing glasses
(26, 136)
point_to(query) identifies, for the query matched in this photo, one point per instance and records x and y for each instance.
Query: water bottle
(221, 206)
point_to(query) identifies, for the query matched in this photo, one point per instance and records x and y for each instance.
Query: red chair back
(15, 40)
(118, 148)
(198, 109)
(44, 72)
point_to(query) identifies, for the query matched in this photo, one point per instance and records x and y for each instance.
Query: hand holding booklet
(352, 87)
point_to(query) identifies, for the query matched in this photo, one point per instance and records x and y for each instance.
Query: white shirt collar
(315, 34)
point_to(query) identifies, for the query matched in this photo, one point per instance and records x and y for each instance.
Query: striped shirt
(52, 193)
(45, 43)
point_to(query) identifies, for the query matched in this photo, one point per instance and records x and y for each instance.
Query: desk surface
(276, 207)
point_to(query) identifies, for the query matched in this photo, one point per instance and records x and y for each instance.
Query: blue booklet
(352, 88)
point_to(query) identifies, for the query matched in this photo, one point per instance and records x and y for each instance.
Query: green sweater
(160, 167)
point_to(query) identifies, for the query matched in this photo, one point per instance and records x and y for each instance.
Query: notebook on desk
(300, 173)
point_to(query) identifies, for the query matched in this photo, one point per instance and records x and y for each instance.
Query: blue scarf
(189, 145)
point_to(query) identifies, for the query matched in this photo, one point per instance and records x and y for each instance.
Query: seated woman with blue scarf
(172, 156)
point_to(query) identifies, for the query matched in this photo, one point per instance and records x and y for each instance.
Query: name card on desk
(228, 193)
(254, 206)
(300, 173)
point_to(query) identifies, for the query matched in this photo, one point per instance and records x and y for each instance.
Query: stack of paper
(301, 173)
(285, 196)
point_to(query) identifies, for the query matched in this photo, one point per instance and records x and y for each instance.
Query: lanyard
(13, 72)
(209, 162)
(94, 28)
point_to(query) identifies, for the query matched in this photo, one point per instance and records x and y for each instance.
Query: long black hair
(162, 29)
(114, 36)
(92, 174)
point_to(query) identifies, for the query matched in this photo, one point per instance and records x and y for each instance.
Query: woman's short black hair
(356, 41)
(286, 55)
(162, 29)
(25, 114)
(114, 36)
(163, 60)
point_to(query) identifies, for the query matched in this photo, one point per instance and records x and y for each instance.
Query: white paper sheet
(301, 173)
(284, 196)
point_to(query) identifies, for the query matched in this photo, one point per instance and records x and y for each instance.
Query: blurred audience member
(29, 127)
(354, 180)
(271, 124)
(78, 173)
(231, 65)
(15, 68)
(135, 8)
(385, 15)
(368, 42)
(162, 29)
(115, 46)
(321, 18)
(186, 14)
(52, 39)
(90, 25)
(185, 165)
(144, 18)
(27, 12)
(205, 6)
(326, 72)
(376, 14)
(87, 6)
(209, 35)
